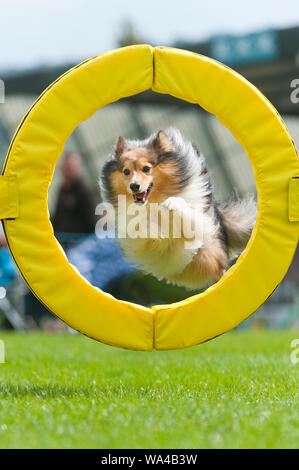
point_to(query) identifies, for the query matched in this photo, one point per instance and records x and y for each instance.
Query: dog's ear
(161, 143)
(120, 147)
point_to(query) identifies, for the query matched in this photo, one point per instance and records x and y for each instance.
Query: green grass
(237, 391)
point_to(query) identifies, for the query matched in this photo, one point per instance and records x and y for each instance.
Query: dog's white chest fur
(164, 255)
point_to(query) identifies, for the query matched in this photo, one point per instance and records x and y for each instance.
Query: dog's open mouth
(141, 198)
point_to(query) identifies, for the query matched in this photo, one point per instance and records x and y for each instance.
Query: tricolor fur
(169, 170)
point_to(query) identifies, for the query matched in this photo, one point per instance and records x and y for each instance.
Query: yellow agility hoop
(39, 141)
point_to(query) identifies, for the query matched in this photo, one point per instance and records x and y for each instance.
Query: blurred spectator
(9, 296)
(2, 237)
(75, 209)
(7, 266)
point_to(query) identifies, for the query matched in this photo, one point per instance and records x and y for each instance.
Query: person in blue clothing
(7, 267)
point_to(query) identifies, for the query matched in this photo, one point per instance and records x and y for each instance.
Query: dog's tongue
(140, 196)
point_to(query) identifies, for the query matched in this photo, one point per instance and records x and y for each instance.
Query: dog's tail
(238, 219)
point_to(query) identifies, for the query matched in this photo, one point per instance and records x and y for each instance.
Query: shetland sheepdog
(168, 172)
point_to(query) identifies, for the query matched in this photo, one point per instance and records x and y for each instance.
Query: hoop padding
(39, 142)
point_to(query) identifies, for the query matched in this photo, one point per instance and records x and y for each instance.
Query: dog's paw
(175, 204)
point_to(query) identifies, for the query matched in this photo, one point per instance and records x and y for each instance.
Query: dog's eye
(126, 171)
(146, 169)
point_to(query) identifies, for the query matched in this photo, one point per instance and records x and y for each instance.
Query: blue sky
(35, 32)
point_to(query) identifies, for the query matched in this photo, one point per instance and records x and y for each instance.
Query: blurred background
(42, 39)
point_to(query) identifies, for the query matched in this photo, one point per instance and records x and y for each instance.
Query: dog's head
(146, 171)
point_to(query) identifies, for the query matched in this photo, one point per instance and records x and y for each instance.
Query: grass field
(237, 391)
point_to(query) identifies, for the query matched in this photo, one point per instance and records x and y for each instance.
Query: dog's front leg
(185, 222)
(176, 204)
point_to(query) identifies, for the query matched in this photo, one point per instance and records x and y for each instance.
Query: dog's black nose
(135, 187)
